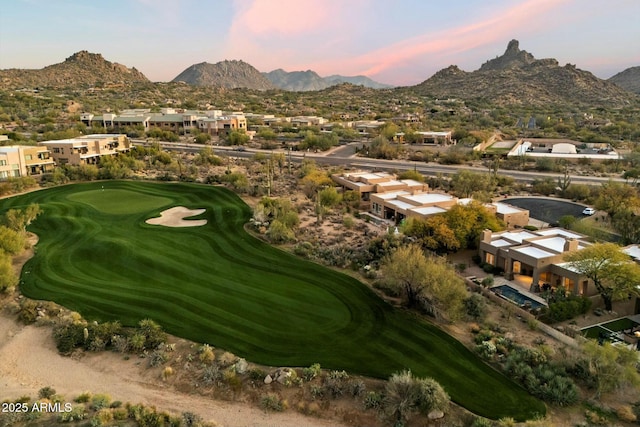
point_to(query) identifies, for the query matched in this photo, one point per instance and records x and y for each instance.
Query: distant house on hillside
(394, 200)
(86, 149)
(23, 160)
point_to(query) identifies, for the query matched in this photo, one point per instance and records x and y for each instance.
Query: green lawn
(216, 284)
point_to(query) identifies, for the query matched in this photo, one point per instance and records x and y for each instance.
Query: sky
(400, 42)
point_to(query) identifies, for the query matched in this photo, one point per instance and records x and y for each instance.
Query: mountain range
(301, 81)
(516, 77)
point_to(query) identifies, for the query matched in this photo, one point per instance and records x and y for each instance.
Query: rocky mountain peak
(85, 56)
(513, 48)
(228, 74)
(82, 68)
(516, 77)
(513, 57)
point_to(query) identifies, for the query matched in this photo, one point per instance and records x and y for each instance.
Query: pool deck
(500, 281)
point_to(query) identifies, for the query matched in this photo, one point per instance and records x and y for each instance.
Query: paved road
(345, 156)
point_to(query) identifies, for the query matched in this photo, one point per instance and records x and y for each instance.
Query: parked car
(588, 211)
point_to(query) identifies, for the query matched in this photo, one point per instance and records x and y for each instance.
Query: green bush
(372, 400)
(565, 308)
(475, 306)
(271, 402)
(77, 413)
(311, 372)
(99, 401)
(46, 392)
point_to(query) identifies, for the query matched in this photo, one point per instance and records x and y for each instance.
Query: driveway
(547, 209)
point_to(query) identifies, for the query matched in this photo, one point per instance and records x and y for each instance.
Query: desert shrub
(157, 358)
(77, 413)
(546, 381)
(311, 372)
(316, 391)
(120, 343)
(256, 374)
(475, 306)
(486, 350)
(167, 372)
(28, 311)
(212, 375)
(190, 419)
(372, 400)
(271, 402)
(97, 344)
(357, 388)
(482, 422)
(46, 393)
(83, 398)
(102, 418)
(152, 332)
(99, 401)
(206, 354)
(566, 307)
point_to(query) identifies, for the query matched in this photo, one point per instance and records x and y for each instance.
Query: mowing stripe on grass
(217, 284)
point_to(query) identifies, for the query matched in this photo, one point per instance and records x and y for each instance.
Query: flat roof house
(24, 160)
(536, 257)
(87, 149)
(366, 183)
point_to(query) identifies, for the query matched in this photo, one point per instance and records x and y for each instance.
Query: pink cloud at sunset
(328, 37)
(519, 19)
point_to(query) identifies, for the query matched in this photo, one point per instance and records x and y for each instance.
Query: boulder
(241, 366)
(435, 415)
(268, 379)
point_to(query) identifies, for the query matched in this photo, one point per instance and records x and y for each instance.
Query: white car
(588, 211)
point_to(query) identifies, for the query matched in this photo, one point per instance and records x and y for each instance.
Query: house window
(56, 150)
(3, 162)
(490, 258)
(27, 156)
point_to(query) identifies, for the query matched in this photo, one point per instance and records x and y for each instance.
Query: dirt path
(30, 361)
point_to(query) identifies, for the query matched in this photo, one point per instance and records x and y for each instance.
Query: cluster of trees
(321, 142)
(613, 273)
(280, 217)
(426, 282)
(13, 240)
(94, 336)
(17, 185)
(621, 202)
(458, 228)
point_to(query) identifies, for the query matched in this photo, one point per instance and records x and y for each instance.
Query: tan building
(398, 205)
(537, 258)
(24, 160)
(87, 149)
(366, 183)
(393, 199)
(222, 125)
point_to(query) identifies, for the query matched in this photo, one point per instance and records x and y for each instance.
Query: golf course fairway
(217, 284)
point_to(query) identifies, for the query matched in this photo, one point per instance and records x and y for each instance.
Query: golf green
(217, 284)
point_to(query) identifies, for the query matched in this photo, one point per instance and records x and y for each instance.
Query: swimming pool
(515, 296)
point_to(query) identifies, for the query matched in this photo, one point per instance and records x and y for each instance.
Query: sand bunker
(175, 217)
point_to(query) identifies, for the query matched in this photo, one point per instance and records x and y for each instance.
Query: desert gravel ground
(30, 361)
